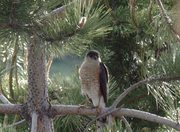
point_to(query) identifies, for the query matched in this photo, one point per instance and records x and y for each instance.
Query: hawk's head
(93, 54)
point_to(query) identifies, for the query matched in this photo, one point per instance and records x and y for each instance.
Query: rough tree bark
(38, 106)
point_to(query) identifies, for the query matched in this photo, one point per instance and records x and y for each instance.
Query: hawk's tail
(102, 123)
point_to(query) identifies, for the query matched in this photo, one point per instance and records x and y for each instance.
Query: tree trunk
(38, 101)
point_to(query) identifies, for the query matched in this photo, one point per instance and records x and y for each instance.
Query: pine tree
(141, 45)
(33, 32)
(137, 41)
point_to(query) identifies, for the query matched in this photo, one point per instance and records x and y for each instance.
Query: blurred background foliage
(135, 43)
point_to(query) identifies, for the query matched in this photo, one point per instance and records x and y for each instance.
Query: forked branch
(100, 116)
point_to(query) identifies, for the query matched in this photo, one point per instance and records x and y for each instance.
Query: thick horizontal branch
(73, 110)
(11, 109)
(147, 116)
(76, 110)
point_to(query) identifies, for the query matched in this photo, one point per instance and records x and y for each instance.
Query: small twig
(108, 7)
(177, 116)
(132, 3)
(17, 123)
(136, 13)
(109, 121)
(126, 123)
(16, 75)
(60, 116)
(5, 120)
(25, 97)
(4, 99)
(100, 116)
(166, 18)
(11, 70)
(14, 124)
(50, 63)
(150, 9)
(34, 121)
(131, 88)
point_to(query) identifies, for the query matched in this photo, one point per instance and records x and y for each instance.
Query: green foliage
(132, 49)
(66, 35)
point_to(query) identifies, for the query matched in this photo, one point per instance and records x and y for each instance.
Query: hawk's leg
(98, 108)
(85, 105)
(88, 100)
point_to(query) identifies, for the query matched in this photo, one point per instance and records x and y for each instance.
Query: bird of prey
(94, 82)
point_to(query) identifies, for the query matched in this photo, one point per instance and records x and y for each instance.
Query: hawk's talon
(82, 106)
(98, 109)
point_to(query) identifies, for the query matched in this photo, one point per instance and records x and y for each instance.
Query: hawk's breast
(89, 74)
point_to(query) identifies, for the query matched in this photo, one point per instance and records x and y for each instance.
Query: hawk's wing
(104, 82)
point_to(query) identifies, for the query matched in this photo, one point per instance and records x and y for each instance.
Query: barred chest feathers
(89, 74)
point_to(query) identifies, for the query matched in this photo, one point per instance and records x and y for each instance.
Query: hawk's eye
(95, 57)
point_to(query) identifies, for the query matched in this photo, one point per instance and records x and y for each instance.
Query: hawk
(94, 82)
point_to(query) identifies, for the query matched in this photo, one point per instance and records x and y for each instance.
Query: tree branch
(11, 70)
(14, 124)
(126, 123)
(17, 123)
(149, 12)
(76, 110)
(132, 3)
(4, 99)
(50, 63)
(34, 121)
(167, 19)
(108, 7)
(11, 109)
(131, 88)
(147, 116)
(105, 114)
(1, 89)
